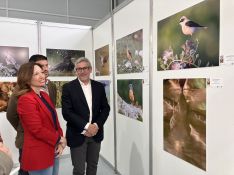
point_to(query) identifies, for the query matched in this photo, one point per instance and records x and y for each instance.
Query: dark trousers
(21, 172)
(86, 154)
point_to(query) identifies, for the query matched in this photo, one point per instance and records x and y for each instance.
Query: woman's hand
(59, 150)
(63, 142)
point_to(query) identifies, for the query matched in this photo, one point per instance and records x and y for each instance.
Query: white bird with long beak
(189, 27)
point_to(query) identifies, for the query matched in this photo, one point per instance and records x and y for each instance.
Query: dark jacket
(76, 112)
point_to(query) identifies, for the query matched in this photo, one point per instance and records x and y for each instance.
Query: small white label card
(214, 82)
(226, 60)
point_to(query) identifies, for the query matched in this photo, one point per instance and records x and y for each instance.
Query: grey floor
(104, 168)
(65, 167)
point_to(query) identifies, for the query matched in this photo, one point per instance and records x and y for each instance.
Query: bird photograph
(130, 53)
(102, 61)
(189, 27)
(191, 36)
(130, 98)
(62, 62)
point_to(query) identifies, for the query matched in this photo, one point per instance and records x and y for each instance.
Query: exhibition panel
(131, 37)
(18, 41)
(167, 69)
(194, 58)
(63, 44)
(102, 69)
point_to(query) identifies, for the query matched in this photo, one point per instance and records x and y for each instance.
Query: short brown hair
(24, 78)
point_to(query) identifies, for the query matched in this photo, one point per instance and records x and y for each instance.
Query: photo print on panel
(102, 61)
(130, 98)
(190, 38)
(11, 58)
(130, 53)
(62, 62)
(184, 119)
(59, 85)
(6, 89)
(106, 84)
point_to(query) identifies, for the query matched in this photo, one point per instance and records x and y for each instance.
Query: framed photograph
(11, 58)
(62, 62)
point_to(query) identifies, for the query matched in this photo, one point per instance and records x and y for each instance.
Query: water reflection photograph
(184, 119)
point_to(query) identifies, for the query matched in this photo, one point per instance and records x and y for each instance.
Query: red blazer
(40, 135)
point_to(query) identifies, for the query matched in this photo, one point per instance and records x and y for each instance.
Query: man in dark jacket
(85, 108)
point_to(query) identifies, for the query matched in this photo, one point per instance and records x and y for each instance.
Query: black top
(52, 111)
(76, 112)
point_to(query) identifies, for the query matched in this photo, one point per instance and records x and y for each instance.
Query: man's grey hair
(83, 59)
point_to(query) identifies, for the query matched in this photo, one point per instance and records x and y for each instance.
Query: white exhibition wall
(133, 135)
(24, 33)
(19, 33)
(102, 37)
(65, 37)
(219, 100)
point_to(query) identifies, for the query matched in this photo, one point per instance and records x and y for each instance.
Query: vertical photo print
(106, 84)
(102, 61)
(6, 89)
(11, 58)
(59, 85)
(130, 98)
(130, 53)
(184, 119)
(62, 62)
(190, 38)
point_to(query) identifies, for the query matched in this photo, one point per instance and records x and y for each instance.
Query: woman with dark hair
(43, 137)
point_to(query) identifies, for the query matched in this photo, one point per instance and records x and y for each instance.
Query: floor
(103, 167)
(65, 167)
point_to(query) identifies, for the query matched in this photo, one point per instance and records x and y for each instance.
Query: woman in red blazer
(43, 137)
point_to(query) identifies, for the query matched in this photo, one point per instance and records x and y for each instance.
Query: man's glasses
(81, 69)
